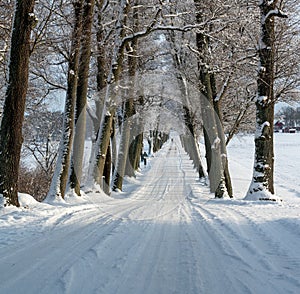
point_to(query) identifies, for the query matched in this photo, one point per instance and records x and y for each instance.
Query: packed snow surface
(164, 234)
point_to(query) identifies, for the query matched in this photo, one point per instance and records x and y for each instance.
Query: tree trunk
(130, 163)
(150, 144)
(61, 173)
(210, 129)
(14, 105)
(137, 150)
(82, 87)
(138, 135)
(123, 159)
(107, 171)
(212, 141)
(100, 97)
(102, 150)
(192, 146)
(262, 186)
(112, 80)
(101, 81)
(219, 122)
(113, 147)
(122, 156)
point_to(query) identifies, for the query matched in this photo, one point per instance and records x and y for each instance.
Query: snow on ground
(164, 234)
(287, 164)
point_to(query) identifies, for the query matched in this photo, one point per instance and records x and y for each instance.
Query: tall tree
(81, 98)
(103, 138)
(124, 146)
(217, 97)
(14, 107)
(262, 185)
(61, 173)
(210, 124)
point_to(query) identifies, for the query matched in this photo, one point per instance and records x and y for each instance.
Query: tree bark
(210, 129)
(137, 150)
(81, 100)
(99, 101)
(113, 80)
(61, 173)
(221, 134)
(192, 147)
(212, 140)
(102, 150)
(122, 155)
(107, 171)
(123, 158)
(14, 106)
(262, 185)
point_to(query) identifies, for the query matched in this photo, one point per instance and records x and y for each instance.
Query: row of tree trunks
(14, 105)
(105, 155)
(81, 100)
(111, 94)
(61, 173)
(129, 110)
(97, 114)
(192, 149)
(215, 144)
(135, 151)
(123, 152)
(137, 137)
(191, 145)
(210, 127)
(188, 140)
(158, 138)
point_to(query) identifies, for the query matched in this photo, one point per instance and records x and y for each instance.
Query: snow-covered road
(166, 235)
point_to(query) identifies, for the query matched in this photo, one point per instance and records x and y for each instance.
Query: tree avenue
(131, 72)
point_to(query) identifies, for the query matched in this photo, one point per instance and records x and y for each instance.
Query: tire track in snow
(57, 252)
(158, 259)
(249, 245)
(157, 240)
(216, 257)
(274, 235)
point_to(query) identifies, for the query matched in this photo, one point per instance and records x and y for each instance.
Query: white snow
(216, 143)
(166, 234)
(261, 99)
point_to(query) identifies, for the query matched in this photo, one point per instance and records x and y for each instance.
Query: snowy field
(166, 234)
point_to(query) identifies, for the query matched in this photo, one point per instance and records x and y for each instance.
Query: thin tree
(14, 107)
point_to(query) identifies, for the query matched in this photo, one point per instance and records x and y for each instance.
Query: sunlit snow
(165, 233)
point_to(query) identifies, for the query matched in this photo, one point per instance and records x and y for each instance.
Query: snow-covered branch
(274, 12)
(222, 92)
(152, 27)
